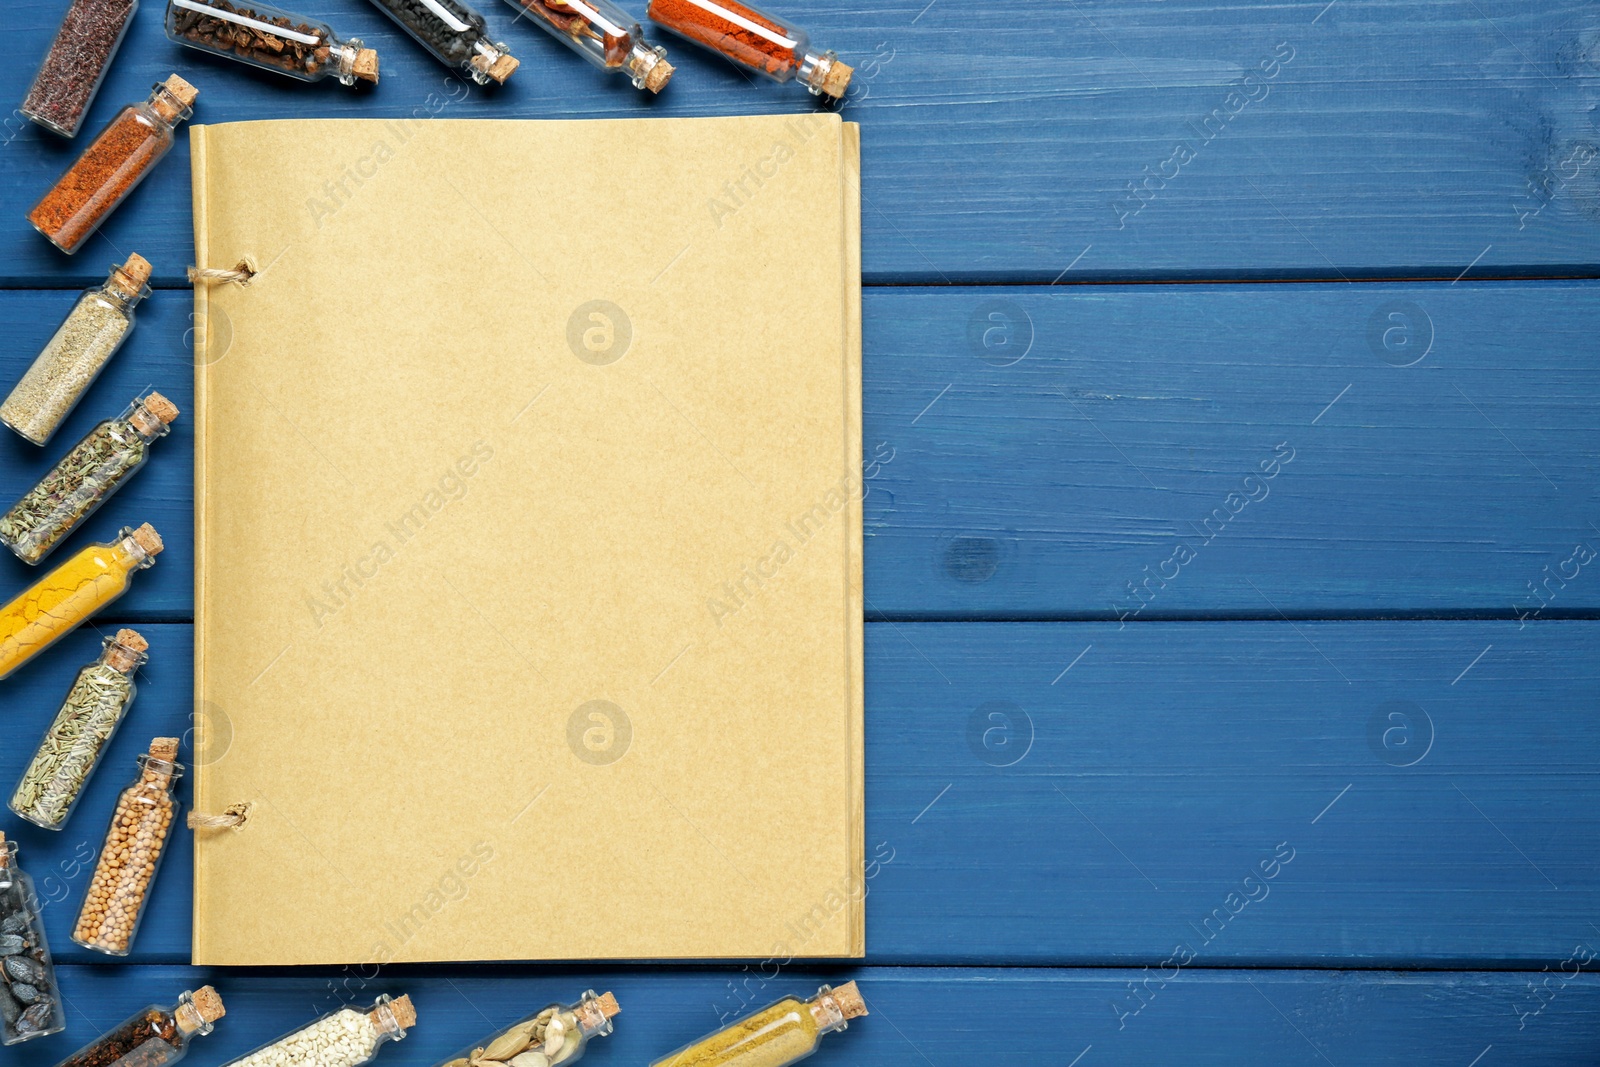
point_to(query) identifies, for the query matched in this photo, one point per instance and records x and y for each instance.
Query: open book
(528, 535)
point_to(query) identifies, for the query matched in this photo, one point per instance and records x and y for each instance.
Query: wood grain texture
(1349, 793)
(1017, 1017)
(1136, 421)
(1095, 139)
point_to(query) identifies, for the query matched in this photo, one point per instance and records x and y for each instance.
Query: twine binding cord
(238, 275)
(232, 818)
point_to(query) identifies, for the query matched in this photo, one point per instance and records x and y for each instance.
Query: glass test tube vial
(755, 40)
(557, 1034)
(345, 1038)
(62, 600)
(154, 1037)
(30, 1003)
(95, 706)
(605, 35)
(135, 843)
(775, 1036)
(113, 165)
(70, 76)
(85, 478)
(456, 35)
(267, 37)
(76, 354)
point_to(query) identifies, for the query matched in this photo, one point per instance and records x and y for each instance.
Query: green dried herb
(72, 745)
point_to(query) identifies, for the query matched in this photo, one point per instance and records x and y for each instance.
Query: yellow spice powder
(63, 599)
(772, 1037)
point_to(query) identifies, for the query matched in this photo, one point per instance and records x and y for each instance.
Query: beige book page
(528, 537)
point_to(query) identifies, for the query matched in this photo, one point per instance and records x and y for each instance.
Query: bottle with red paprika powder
(605, 35)
(751, 39)
(112, 166)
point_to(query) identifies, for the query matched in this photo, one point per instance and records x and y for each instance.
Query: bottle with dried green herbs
(93, 331)
(345, 1038)
(556, 1035)
(30, 1003)
(266, 37)
(154, 1037)
(94, 708)
(776, 1035)
(85, 478)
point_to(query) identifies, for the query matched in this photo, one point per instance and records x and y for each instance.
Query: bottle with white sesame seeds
(551, 1037)
(345, 1038)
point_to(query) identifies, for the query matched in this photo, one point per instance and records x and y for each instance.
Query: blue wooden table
(1233, 374)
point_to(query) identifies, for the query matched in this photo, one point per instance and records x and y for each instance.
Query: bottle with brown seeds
(272, 39)
(30, 1003)
(555, 1035)
(70, 76)
(154, 1037)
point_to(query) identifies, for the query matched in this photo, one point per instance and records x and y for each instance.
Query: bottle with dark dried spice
(77, 62)
(30, 1003)
(605, 35)
(754, 40)
(269, 38)
(113, 165)
(154, 1037)
(95, 706)
(85, 478)
(456, 35)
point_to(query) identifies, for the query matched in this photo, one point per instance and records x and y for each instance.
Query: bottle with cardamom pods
(557, 1034)
(76, 354)
(85, 478)
(345, 1038)
(775, 1036)
(266, 37)
(30, 1003)
(157, 1036)
(89, 717)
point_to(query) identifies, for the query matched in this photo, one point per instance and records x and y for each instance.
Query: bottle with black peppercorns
(456, 35)
(266, 37)
(30, 1003)
(154, 1037)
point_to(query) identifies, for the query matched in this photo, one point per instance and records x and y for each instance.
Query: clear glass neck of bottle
(121, 657)
(390, 1028)
(129, 548)
(593, 1019)
(164, 773)
(833, 1009)
(165, 106)
(817, 71)
(145, 422)
(188, 1016)
(642, 61)
(8, 860)
(124, 290)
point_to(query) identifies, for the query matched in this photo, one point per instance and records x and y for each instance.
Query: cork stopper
(161, 408)
(848, 997)
(658, 76)
(608, 1004)
(366, 65)
(837, 79)
(208, 1003)
(133, 275)
(5, 853)
(164, 748)
(127, 650)
(498, 70)
(186, 94)
(147, 538)
(404, 1012)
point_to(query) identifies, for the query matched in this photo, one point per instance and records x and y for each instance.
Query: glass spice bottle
(269, 38)
(70, 76)
(754, 40)
(76, 354)
(59, 602)
(154, 1037)
(135, 842)
(94, 708)
(605, 35)
(85, 478)
(556, 1035)
(113, 165)
(345, 1038)
(456, 35)
(30, 1003)
(774, 1036)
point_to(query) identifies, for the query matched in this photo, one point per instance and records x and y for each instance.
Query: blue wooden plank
(1096, 140)
(1136, 421)
(1010, 1017)
(1079, 793)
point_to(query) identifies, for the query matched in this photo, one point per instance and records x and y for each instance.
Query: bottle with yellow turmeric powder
(62, 600)
(775, 1036)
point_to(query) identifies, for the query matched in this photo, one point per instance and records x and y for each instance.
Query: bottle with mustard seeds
(775, 1036)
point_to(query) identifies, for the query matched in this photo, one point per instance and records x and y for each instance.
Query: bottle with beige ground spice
(274, 40)
(113, 165)
(80, 349)
(345, 1038)
(556, 1035)
(135, 842)
(85, 478)
(154, 1037)
(95, 706)
(776, 1035)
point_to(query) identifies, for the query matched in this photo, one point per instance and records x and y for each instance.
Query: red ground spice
(703, 21)
(67, 80)
(105, 173)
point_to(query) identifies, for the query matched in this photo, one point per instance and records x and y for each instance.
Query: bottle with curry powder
(113, 165)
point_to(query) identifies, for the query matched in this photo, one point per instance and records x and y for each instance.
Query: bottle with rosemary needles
(553, 1037)
(94, 708)
(85, 478)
